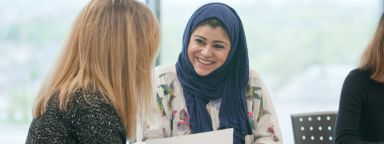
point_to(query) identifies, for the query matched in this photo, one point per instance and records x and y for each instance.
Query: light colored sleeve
(267, 129)
(158, 125)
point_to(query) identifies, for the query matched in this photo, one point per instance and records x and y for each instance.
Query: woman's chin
(202, 72)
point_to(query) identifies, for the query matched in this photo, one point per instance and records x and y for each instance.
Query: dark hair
(213, 22)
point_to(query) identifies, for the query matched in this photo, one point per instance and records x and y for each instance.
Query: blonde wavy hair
(373, 57)
(111, 50)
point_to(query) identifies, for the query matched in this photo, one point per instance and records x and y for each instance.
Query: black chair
(314, 128)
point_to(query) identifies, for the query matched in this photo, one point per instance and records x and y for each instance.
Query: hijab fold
(228, 82)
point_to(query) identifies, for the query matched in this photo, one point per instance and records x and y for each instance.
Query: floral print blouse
(171, 116)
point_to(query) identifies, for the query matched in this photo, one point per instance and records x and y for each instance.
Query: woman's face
(208, 49)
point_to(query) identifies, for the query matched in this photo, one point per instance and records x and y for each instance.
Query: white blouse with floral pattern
(171, 116)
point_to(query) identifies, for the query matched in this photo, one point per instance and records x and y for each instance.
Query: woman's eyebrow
(199, 36)
(215, 41)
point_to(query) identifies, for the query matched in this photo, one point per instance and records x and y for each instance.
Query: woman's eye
(218, 46)
(200, 41)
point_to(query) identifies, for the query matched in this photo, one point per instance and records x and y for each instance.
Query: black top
(360, 118)
(88, 119)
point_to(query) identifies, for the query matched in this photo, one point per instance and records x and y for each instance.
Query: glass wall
(31, 35)
(303, 49)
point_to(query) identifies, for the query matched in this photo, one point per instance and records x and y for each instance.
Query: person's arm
(95, 121)
(159, 124)
(348, 117)
(267, 129)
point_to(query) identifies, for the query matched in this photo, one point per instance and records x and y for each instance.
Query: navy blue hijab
(228, 82)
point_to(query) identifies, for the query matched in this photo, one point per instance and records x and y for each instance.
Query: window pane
(31, 35)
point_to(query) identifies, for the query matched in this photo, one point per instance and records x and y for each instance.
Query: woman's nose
(207, 51)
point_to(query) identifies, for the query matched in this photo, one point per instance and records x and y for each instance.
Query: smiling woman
(211, 86)
(302, 49)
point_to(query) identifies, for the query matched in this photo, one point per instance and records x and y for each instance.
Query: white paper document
(213, 137)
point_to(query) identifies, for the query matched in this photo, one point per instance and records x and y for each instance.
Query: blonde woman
(360, 119)
(103, 75)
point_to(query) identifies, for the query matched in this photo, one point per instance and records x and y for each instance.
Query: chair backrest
(314, 128)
